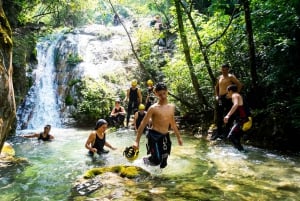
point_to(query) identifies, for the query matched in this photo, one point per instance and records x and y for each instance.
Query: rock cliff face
(7, 101)
(93, 52)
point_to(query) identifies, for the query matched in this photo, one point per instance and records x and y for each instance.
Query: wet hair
(160, 86)
(225, 65)
(99, 123)
(232, 87)
(48, 126)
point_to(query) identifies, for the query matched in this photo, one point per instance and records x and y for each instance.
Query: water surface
(195, 171)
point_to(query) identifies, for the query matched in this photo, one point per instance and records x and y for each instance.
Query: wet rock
(123, 171)
(111, 180)
(85, 187)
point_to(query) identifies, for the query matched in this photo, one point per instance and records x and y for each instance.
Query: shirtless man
(224, 104)
(162, 117)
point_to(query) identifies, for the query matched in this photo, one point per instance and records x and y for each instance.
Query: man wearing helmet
(150, 94)
(139, 116)
(134, 98)
(162, 117)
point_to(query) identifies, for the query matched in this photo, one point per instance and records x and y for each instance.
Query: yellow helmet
(141, 107)
(247, 125)
(131, 153)
(134, 82)
(149, 82)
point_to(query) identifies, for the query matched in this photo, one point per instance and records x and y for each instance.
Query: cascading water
(40, 105)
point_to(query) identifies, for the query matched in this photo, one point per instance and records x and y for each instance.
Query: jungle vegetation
(258, 38)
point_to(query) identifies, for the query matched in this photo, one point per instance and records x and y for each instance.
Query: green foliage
(69, 100)
(295, 110)
(73, 82)
(95, 101)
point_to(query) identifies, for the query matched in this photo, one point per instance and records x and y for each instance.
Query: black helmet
(131, 153)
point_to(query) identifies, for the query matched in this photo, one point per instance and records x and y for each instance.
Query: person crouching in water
(117, 115)
(239, 115)
(162, 117)
(44, 136)
(96, 141)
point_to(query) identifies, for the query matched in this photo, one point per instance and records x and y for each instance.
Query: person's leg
(129, 110)
(135, 107)
(165, 150)
(220, 114)
(113, 121)
(227, 106)
(235, 135)
(121, 119)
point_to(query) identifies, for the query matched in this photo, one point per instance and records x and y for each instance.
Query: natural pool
(195, 171)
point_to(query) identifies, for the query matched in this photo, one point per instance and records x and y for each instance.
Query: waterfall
(40, 105)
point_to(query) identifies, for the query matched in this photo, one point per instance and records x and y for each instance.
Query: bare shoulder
(231, 75)
(171, 105)
(92, 134)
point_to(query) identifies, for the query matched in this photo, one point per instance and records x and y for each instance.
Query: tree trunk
(141, 65)
(186, 50)
(202, 48)
(7, 101)
(252, 61)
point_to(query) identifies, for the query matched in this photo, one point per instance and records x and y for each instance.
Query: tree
(186, 51)
(252, 59)
(7, 102)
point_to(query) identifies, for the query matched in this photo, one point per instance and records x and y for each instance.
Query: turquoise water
(195, 171)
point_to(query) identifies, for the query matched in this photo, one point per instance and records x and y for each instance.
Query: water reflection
(195, 171)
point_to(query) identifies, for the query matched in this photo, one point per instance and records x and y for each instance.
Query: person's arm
(51, 137)
(113, 112)
(175, 129)
(134, 120)
(109, 146)
(217, 89)
(31, 135)
(90, 141)
(142, 126)
(236, 82)
(127, 95)
(123, 112)
(235, 101)
(140, 96)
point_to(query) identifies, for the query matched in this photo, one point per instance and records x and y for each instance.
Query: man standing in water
(162, 117)
(224, 104)
(134, 98)
(239, 115)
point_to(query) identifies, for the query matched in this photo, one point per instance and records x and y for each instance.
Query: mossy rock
(7, 150)
(124, 171)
